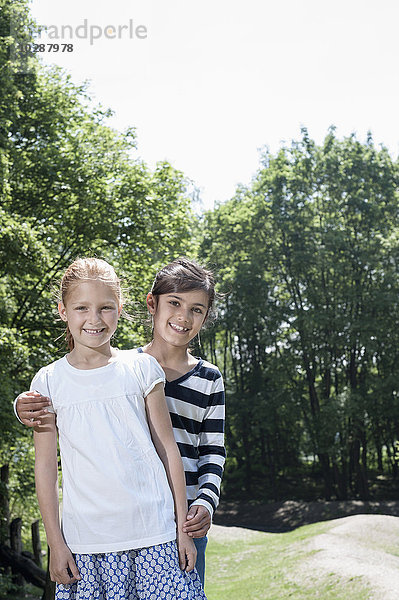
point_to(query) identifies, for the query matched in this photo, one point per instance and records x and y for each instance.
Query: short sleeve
(40, 384)
(149, 372)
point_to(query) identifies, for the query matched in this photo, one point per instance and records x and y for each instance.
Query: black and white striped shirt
(196, 406)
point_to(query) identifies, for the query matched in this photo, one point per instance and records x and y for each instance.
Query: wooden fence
(23, 566)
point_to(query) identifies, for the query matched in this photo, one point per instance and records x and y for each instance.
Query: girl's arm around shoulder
(30, 406)
(46, 476)
(165, 444)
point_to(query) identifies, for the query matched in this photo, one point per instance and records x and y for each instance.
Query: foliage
(308, 333)
(70, 186)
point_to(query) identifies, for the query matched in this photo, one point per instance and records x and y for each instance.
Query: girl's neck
(88, 358)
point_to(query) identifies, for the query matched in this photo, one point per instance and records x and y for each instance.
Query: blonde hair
(84, 269)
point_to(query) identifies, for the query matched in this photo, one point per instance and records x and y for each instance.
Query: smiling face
(92, 311)
(178, 316)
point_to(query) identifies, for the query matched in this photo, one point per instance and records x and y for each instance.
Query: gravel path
(364, 546)
(221, 533)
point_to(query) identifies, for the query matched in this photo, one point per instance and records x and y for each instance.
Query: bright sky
(216, 80)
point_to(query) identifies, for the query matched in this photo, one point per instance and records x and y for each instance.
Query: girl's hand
(31, 406)
(187, 552)
(63, 568)
(198, 521)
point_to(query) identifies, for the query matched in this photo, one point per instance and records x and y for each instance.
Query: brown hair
(184, 275)
(83, 269)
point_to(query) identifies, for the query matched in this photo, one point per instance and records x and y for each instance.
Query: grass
(267, 566)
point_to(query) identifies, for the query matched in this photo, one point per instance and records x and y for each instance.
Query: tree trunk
(36, 543)
(395, 462)
(361, 484)
(272, 470)
(4, 505)
(315, 410)
(16, 546)
(326, 468)
(379, 455)
(49, 588)
(339, 480)
(246, 430)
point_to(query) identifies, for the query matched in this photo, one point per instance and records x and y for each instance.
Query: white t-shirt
(115, 490)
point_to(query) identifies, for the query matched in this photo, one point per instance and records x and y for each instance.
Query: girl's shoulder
(145, 369)
(209, 366)
(50, 372)
(135, 357)
(140, 361)
(51, 368)
(126, 356)
(208, 370)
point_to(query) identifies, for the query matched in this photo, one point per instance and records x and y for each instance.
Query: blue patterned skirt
(145, 574)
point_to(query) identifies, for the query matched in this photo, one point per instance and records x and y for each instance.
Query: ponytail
(69, 339)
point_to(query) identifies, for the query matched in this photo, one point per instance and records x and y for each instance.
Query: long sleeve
(211, 450)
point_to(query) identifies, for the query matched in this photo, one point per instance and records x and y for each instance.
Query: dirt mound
(365, 546)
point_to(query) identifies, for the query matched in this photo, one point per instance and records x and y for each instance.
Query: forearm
(210, 471)
(175, 473)
(47, 495)
(166, 447)
(211, 450)
(46, 477)
(165, 444)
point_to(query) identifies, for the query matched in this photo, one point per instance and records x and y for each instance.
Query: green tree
(310, 254)
(70, 185)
